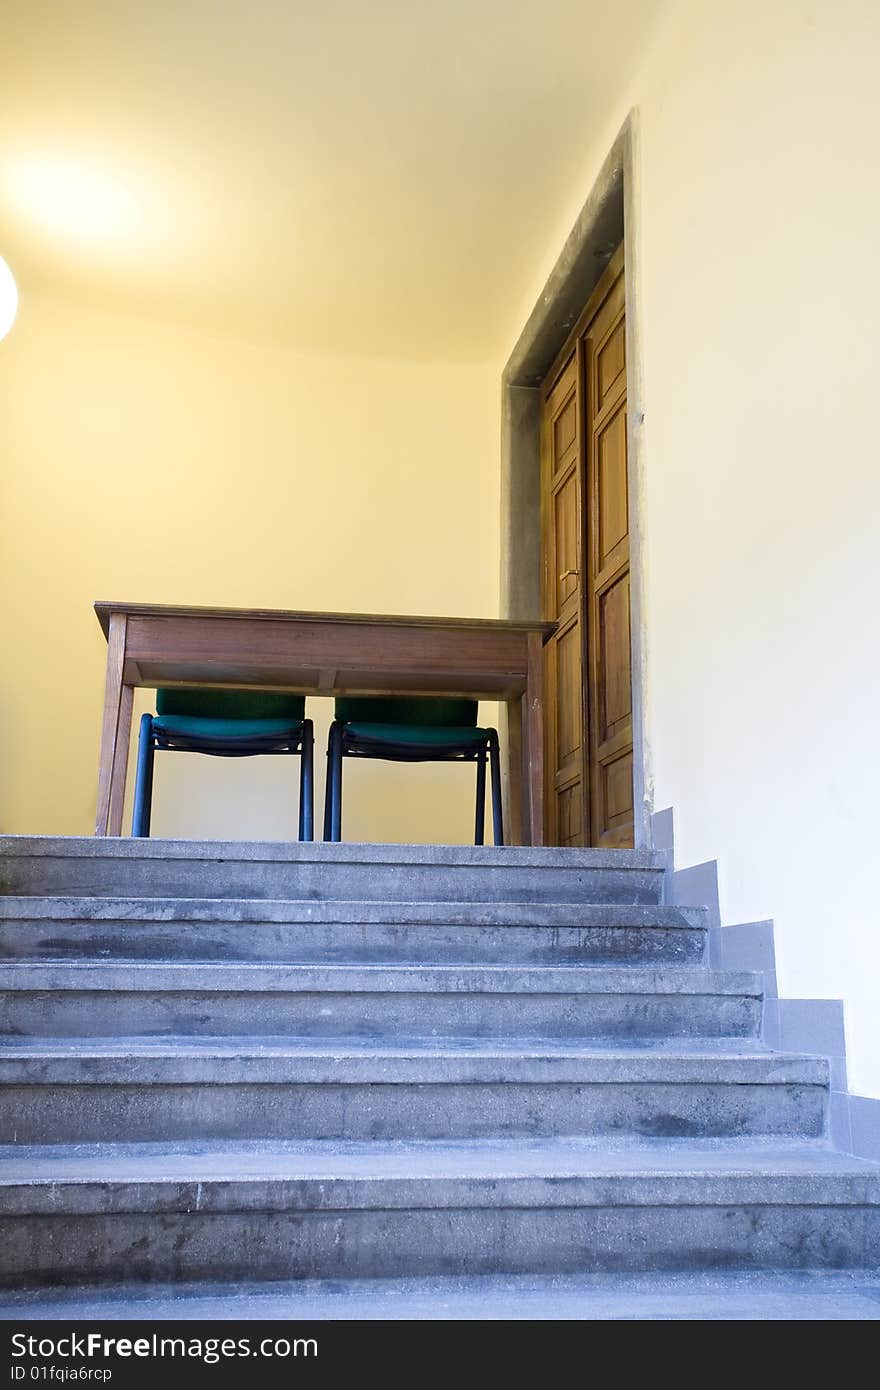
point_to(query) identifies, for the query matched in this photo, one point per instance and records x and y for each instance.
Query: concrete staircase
(231, 1064)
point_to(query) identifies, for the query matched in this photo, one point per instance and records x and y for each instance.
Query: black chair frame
(343, 745)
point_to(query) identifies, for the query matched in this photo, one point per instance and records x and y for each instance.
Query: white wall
(761, 303)
(759, 208)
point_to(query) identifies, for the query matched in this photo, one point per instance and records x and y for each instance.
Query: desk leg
(534, 738)
(120, 761)
(115, 733)
(516, 828)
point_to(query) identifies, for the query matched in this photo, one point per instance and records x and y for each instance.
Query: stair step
(385, 1064)
(89, 998)
(272, 930)
(227, 1087)
(790, 1296)
(342, 1210)
(218, 868)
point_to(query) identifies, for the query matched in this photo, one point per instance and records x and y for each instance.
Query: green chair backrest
(231, 704)
(420, 709)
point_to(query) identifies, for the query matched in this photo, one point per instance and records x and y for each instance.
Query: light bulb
(8, 298)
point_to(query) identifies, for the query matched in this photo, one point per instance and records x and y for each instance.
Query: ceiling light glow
(73, 201)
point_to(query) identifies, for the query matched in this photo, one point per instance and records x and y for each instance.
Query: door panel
(567, 520)
(613, 507)
(585, 540)
(569, 740)
(570, 811)
(617, 797)
(565, 427)
(614, 684)
(610, 362)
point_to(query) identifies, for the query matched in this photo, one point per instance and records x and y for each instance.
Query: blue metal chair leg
(143, 787)
(497, 814)
(480, 821)
(307, 782)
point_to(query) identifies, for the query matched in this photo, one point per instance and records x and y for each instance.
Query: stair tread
(359, 1060)
(326, 1160)
(350, 852)
(220, 1046)
(797, 1296)
(59, 907)
(242, 977)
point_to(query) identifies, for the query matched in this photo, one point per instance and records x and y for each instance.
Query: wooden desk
(325, 654)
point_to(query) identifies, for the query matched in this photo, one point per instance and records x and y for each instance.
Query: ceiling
(356, 176)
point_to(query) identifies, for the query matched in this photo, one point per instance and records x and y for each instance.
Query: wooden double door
(586, 579)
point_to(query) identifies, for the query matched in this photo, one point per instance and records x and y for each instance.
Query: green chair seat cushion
(420, 710)
(425, 735)
(224, 730)
(232, 704)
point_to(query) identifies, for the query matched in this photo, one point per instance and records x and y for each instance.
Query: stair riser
(373, 882)
(376, 1243)
(356, 942)
(55, 1113)
(67, 1013)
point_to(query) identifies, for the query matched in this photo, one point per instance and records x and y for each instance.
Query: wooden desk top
(104, 608)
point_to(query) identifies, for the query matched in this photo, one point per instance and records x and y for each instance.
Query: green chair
(225, 724)
(419, 730)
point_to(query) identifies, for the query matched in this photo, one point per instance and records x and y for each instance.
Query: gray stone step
(58, 1090)
(343, 1211)
(382, 873)
(204, 929)
(90, 998)
(273, 1061)
(846, 1295)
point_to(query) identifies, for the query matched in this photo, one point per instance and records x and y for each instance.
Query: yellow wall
(758, 210)
(147, 461)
